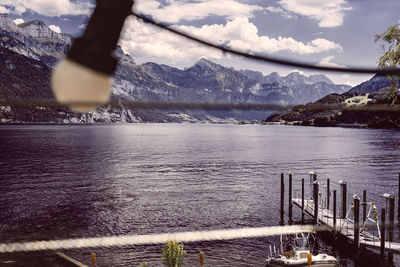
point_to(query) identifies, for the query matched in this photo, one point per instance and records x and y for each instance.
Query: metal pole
(328, 192)
(302, 200)
(290, 198)
(364, 206)
(315, 187)
(356, 223)
(383, 211)
(282, 199)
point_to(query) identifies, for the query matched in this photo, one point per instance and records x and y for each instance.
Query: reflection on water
(82, 181)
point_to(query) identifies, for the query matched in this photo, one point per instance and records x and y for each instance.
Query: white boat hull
(320, 260)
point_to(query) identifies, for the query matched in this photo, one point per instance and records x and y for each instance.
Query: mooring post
(334, 215)
(311, 182)
(364, 206)
(383, 211)
(343, 190)
(356, 223)
(302, 200)
(315, 189)
(328, 192)
(93, 259)
(290, 198)
(201, 258)
(314, 178)
(398, 200)
(282, 198)
(391, 223)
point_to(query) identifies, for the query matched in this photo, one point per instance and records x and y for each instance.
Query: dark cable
(150, 105)
(29, 103)
(385, 71)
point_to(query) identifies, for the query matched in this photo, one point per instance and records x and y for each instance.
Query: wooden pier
(345, 227)
(370, 233)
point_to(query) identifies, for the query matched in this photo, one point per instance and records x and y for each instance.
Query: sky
(325, 32)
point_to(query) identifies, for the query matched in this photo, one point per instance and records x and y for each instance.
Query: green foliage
(391, 56)
(173, 254)
(144, 264)
(298, 108)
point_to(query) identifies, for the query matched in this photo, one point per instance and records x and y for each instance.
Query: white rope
(157, 238)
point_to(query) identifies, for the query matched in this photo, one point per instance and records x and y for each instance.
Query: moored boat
(298, 254)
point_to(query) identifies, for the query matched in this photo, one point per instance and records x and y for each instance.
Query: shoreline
(295, 123)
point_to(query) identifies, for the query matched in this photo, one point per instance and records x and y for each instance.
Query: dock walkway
(345, 227)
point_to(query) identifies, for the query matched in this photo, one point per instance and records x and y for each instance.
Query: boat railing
(274, 251)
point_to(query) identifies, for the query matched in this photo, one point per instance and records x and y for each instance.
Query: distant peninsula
(367, 105)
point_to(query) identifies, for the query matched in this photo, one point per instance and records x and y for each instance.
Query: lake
(70, 181)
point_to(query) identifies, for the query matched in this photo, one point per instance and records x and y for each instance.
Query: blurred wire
(386, 71)
(113, 241)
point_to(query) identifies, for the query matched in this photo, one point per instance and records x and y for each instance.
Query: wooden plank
(71, 260)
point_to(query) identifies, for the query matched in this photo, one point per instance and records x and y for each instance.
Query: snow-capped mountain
(205, 81)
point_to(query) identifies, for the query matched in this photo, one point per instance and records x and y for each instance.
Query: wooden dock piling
(290, 198)
(282, 222)
(398, 200)
(334, 215)
(383, 211)
(391, 224)
(311, 180)
(302, 200)
(315, 190)
(328, 192)
(356, 223)
(314, 179)
(364, 205)
(343, 190)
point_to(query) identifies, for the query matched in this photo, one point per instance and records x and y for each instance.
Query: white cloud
(327, 13)
(50, 8)
(143, 40)
(4, 10)
(178, 10)
(280, 11)
(18, 21)
(326, 61)
(82, 26)
(55, 28)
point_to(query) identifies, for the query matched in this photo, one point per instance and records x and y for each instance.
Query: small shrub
(173, 254)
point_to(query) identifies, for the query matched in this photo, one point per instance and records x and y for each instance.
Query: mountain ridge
(204, 81)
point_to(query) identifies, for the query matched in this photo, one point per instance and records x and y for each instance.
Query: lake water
(70, 181)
